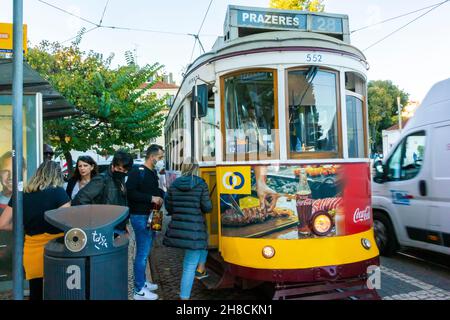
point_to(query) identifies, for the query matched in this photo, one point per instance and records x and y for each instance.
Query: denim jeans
(144, 239)
(191, 259)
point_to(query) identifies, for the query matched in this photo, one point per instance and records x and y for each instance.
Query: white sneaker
(150, 286)
(145, 294)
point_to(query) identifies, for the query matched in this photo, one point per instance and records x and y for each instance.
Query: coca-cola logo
(361, 215)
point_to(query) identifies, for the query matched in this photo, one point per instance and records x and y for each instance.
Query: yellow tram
(276, 116)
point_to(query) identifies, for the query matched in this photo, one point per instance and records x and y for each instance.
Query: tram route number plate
(313, 57)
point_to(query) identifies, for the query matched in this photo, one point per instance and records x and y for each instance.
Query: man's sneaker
(145, 294)
(201, 275)
(150, 286)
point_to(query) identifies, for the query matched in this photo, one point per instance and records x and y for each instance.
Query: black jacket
(142, 185)
(103, 189)
(187, 200)
(70, 185)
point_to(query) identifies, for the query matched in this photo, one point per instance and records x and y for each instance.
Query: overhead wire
(103, 14)
(99, 25)
(78, 34)
(396, 17)
(196, 36)
(70, 13)
(402, 27)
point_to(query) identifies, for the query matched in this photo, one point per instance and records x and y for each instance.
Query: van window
(407, 159)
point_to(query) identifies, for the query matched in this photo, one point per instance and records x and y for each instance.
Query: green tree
(306, 5)
(383, 110)
(113, 111)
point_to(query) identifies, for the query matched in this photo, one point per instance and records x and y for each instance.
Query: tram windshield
(250, 115)
(313, 112)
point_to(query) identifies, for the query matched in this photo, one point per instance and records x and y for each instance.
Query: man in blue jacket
(144, 195)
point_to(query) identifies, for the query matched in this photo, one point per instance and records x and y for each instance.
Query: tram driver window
(250, 113)
(312, 112)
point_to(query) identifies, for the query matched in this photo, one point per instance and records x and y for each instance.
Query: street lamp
(399, 107)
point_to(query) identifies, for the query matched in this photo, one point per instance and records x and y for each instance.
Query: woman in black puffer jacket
(187, 201)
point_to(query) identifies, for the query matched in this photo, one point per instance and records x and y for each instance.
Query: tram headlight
(268, 252)
(366, 243)
(321, 223)
(75, 240)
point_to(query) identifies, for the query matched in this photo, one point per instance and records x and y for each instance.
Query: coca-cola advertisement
(295, 202)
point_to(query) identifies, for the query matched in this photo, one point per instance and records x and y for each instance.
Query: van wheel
(384, 234)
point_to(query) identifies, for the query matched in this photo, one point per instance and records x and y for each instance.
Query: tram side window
(355, 127)
(250, 116)
(208, 145)
(313, 125)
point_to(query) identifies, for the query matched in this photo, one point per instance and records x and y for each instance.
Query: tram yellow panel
(298, 254)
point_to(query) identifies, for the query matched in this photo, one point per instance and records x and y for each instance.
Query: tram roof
(248, 33)
(275, 39)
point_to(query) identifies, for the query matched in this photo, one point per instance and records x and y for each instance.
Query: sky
(414, 58)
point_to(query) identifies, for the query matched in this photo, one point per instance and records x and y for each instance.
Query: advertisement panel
(294, 201)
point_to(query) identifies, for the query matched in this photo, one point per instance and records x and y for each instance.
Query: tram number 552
(313, 57)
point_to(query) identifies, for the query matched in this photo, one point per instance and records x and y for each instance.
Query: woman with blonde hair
(43, 192)
(187, 201)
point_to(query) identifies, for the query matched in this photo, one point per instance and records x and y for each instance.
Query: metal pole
(399, 114)
(17, 149)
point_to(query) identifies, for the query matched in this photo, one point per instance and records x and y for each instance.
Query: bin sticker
(74, 279)
(99, 240)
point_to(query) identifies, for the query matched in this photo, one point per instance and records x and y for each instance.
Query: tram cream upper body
(278, 50)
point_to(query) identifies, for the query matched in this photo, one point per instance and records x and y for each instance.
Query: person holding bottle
(144, 196)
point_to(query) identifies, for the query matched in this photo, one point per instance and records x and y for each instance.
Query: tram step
(354, 289)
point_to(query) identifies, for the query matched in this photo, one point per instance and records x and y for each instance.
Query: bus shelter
(40, 102)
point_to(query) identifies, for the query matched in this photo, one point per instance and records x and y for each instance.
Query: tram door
(212, 219)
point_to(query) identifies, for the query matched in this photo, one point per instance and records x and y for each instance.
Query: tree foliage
(306, 5)
(113, 111)
(383, 109)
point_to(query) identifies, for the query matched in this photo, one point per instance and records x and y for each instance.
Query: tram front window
(250, 113)
(313, 112)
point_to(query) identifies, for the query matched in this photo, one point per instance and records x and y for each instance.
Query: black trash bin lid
(86, 216)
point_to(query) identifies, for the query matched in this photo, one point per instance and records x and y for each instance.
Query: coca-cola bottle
(304, 203)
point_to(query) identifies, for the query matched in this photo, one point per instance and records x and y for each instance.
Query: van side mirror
(380, 175)
(202, 99)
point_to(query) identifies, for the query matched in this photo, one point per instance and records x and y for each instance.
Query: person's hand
(264, 193)
(157, 200)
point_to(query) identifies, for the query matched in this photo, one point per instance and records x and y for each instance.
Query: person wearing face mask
(160, 168)
(144, 195)
(108, 187)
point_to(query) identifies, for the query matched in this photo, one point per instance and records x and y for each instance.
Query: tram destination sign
(249, 18)
(270, 19)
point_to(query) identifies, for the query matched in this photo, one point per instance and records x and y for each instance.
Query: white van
(411, 187)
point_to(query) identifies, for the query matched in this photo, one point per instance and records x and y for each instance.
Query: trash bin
(88, 263)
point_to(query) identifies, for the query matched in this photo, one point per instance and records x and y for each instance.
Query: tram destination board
(275, 19)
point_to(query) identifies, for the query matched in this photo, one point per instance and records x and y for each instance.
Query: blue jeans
(144, 240)
(191, 259)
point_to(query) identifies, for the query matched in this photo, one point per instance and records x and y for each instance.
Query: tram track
(415, 256)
